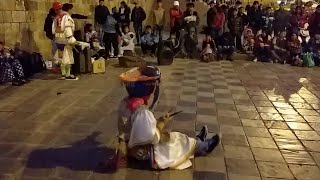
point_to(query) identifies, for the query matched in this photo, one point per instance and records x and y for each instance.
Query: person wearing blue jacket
(149, 41)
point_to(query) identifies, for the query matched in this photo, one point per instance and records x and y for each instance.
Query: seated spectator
(90, 34)
(247, 41)
(262, 48)
(208, 49)
(10, 68)
(149, 41)
(127, 39)
(226, 46)
(173, 43)
(314, 47)
(279, 48)
(295, 48)
(190, 42)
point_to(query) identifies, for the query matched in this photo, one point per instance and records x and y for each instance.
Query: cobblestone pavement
(268, 115)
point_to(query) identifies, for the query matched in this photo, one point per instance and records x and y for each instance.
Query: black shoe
(203, 133)
(212, 143)
(17, 84)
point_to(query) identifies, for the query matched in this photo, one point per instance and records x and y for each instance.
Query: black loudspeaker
(165, 54)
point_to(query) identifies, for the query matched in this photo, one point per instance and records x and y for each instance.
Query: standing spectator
(124, 14)
(255, 17)
(159, 18)
(210, 15)
(243, 16)
(149, 41)
(297, 20)
(314, 22)
(281, 19)
(235, 7)
(236, 28)
(279, 48)
(137, 17)
(111, 33)
(314, 47)
(268, 20)
(48, 29)
(226, 46)
(176, 18)
(218, 23)
(100, 14)
(191, 18)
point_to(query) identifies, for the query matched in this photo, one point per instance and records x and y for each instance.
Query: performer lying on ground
(143, 137)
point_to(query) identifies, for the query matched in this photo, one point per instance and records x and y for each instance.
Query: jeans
(228, 51)
(138, 30)
(111, 39)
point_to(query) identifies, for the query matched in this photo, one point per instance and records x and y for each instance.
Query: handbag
(307, 59)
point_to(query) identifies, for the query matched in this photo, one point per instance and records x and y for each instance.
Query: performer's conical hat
(142, 82)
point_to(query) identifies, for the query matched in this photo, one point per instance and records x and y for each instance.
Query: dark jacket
(245, 19)
(48, 24)
(255, 18)
(314, 24)
(226, 40)
(78, 16)
(235, 24)
(281, 19)
(101, 13)
(210, 17)
(190, 42)
(125, 16)
(192, 23)
(138, 15)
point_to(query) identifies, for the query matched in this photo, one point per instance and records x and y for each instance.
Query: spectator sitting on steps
(149, 41)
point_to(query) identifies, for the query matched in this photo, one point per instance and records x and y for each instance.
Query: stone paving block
(290, 144)
(211, 164)
(316, 157)
(311, 118)
(271, 116)
(276, 124)
(236, 140)
(274, 170)
(260, 142)
(297, 157)
(270, 155)
(230, 107)
(252, 123)
(206, 111)
(303, 172)
(307, 135)
(293, 118)
(299, 126)
(225, 120)
(248, 115)
(243, 167)
(282, 134)
(242, 177)
(200, 175)
(256, 132)
(312, 145)
(246, 108)
(174, 174)
(237, 152)
(224, 101)
(263, 103)
(227, 129)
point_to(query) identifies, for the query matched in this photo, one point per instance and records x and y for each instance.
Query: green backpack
(307, 59)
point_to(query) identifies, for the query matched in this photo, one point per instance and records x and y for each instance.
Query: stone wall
(23, 21)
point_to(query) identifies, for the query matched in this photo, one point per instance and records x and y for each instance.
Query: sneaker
(255, 60)
(62, 78)
(212, 143)
(203, 133)
(72, 77)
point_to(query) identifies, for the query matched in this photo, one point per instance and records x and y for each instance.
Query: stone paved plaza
(268, 115)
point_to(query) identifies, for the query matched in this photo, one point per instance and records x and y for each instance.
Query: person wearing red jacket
(176, 19)
(218, 22)
(262, 48)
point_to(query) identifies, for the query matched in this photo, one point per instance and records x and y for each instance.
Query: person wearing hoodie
(176, 19)
(138, 15)
(111, 32)
(124, 14)
(149, 41)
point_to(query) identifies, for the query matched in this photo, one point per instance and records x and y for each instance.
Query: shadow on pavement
(83, 155)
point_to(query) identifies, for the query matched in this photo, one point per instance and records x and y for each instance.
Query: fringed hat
(142, 82)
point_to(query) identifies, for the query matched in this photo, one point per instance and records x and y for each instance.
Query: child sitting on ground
(295, 48)
(279, 48)
(248, 41)
(149, 41)
(208, 49)
(10, 68)
(127, 41)
(189, 46)
(91, 35)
